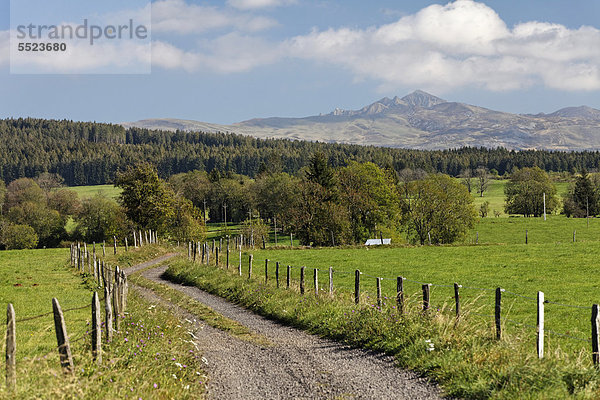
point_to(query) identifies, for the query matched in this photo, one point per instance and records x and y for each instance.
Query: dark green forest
(88, 153)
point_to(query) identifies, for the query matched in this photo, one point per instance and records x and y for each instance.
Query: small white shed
(377, 242)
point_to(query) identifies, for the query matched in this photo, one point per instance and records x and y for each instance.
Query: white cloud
(231, 53)
(254, 4)
(463, 43)
(179, 17)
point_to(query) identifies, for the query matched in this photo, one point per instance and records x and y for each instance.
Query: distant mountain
(420, 121)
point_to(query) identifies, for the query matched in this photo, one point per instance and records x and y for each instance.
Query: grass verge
(463, 357)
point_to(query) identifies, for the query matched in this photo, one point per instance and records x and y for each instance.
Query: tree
(187, 223)
(484, 209)
(65, 201)
(467, 178)
(147, 200)
(47, 181)
(370, 196)
(193, 185)
(24, 190)
(582, 198)
(275, 195)
(48, 224)
(320, 172)
(437, 207)
(17, 237)
(483, 180)
(2, 196)
(100, 218)
(317, 220)
(524, 193)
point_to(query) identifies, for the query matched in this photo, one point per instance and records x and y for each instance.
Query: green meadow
(90, 191)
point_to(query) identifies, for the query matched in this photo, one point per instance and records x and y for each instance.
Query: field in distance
(90, 191)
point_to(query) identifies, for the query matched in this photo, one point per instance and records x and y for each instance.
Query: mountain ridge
(419, 120)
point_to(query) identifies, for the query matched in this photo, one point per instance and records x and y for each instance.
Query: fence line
(79, 258)
(426, 301)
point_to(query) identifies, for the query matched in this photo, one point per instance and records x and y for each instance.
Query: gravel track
(296, 365)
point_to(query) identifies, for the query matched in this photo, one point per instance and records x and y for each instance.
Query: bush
(18, 237)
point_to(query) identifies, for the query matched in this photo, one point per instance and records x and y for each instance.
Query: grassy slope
(90, 191)
(145, 348)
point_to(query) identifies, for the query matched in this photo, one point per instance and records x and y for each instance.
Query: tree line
(88, 153)
(322, 205)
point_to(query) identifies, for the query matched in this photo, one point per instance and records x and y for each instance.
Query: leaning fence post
(108, 315)
(356, 286)
(400, 294)
(540, 324)
(11, 347)
(497, 310)
(457, 299)
(316, 280)
(250, 266)
(64, 347)
(595, 334)
(277, 273)
(96, 332)
(379, 300)
(426, 291)
(302, 279)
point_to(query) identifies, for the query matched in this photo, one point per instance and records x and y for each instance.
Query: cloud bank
(441, 47)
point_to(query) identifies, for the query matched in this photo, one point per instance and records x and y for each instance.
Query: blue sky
(227, 61)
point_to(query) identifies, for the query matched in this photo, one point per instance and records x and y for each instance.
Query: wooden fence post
(266, 270)
(124, 291)
(11, 347)
(302, 279)
(497, 311)
(240, 264)
(250, 266)
(64, 347)
(457, 299)
(540, 324)
(264, 243)
(426, 292)
(108, 315)
(288, 277)
(96, 331)
(400, 294)
(117, 311)
(227, 262)
(134, 240)
(316, 280)
(277, 273)
(596, 334)
(356, 286)
(217, 257)
(291, 240)
(379, 300)
(330, 281)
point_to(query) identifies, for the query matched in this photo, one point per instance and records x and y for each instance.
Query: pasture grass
(150, 357)
(90, 191)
